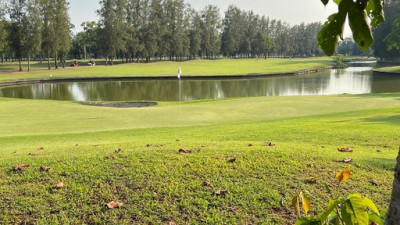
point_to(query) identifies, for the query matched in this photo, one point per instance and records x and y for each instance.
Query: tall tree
(233, 31)
(62, 39)
(133, 26)
(18, 25)
(108, 33)
(33, 30)
(48, 28)
(3, 30)
(393, 39)
(381, 49)
(211, 24)
(195, 33)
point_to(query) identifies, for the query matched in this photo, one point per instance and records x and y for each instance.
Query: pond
(357, 79)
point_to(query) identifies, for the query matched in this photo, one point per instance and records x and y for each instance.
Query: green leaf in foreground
(375, 12)
(332, 30)
(325, 2)
(359, 25)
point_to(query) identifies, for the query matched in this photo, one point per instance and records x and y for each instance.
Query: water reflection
(353, 80)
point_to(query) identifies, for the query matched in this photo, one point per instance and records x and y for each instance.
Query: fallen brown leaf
(347, 160)
(312, 180)
(220, 192)
(269, 144)
(21, 167)
(373, 183)
(207, 183)
(44, 169)
(59, 185)
(110, 157)
(232, 160)
(350, 150)
(114, 205)
(118, 151)
(185, 151)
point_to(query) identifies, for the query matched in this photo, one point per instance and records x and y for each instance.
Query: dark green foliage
(383, 45)
(359, 22)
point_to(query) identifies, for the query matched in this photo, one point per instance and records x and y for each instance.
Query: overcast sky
(291, 11)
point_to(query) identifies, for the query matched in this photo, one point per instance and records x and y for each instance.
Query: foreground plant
(361, 14)
(351, 210)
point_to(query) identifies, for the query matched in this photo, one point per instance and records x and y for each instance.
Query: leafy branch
(362, 14)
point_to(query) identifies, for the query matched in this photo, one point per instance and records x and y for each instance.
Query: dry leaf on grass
(59, 185)
(207, 183)
(185, 151)
(114, 205)
(110, 157)
(21, 167)
(350, 150)
(44, 169)
(221, 192)
(347, 160)
(232, 160)
(373, 183)
(269, 144)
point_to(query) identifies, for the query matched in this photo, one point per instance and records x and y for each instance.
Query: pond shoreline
(126, 78)
(379, 72)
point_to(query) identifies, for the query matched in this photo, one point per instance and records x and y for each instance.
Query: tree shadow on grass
(384, 119)
(379, 163)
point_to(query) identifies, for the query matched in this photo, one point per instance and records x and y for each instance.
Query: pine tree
(62, 39)
(133, 25)
(211, 24)
(108, 31)
(18, 24)
(3, 30)
(33, 30)
(48, 28)
(194, 33)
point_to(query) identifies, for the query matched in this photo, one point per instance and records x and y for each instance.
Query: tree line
(145, 30)
(35, 27)
(172, 30)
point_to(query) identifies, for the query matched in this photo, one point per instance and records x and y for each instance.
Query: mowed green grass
(158, 185)
(189, 68)
(395, 69)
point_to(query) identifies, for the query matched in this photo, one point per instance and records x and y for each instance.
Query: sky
(291, 11)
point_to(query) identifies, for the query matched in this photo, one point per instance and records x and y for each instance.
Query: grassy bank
(158, 185)
(392, 69)
(189, 68)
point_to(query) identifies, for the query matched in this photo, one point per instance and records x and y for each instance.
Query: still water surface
(353, 80)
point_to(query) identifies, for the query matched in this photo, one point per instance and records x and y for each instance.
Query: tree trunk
(393, 215)
(48, 61)
(55, 60)
(29, 63)
(20, 64)
(84, 52)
